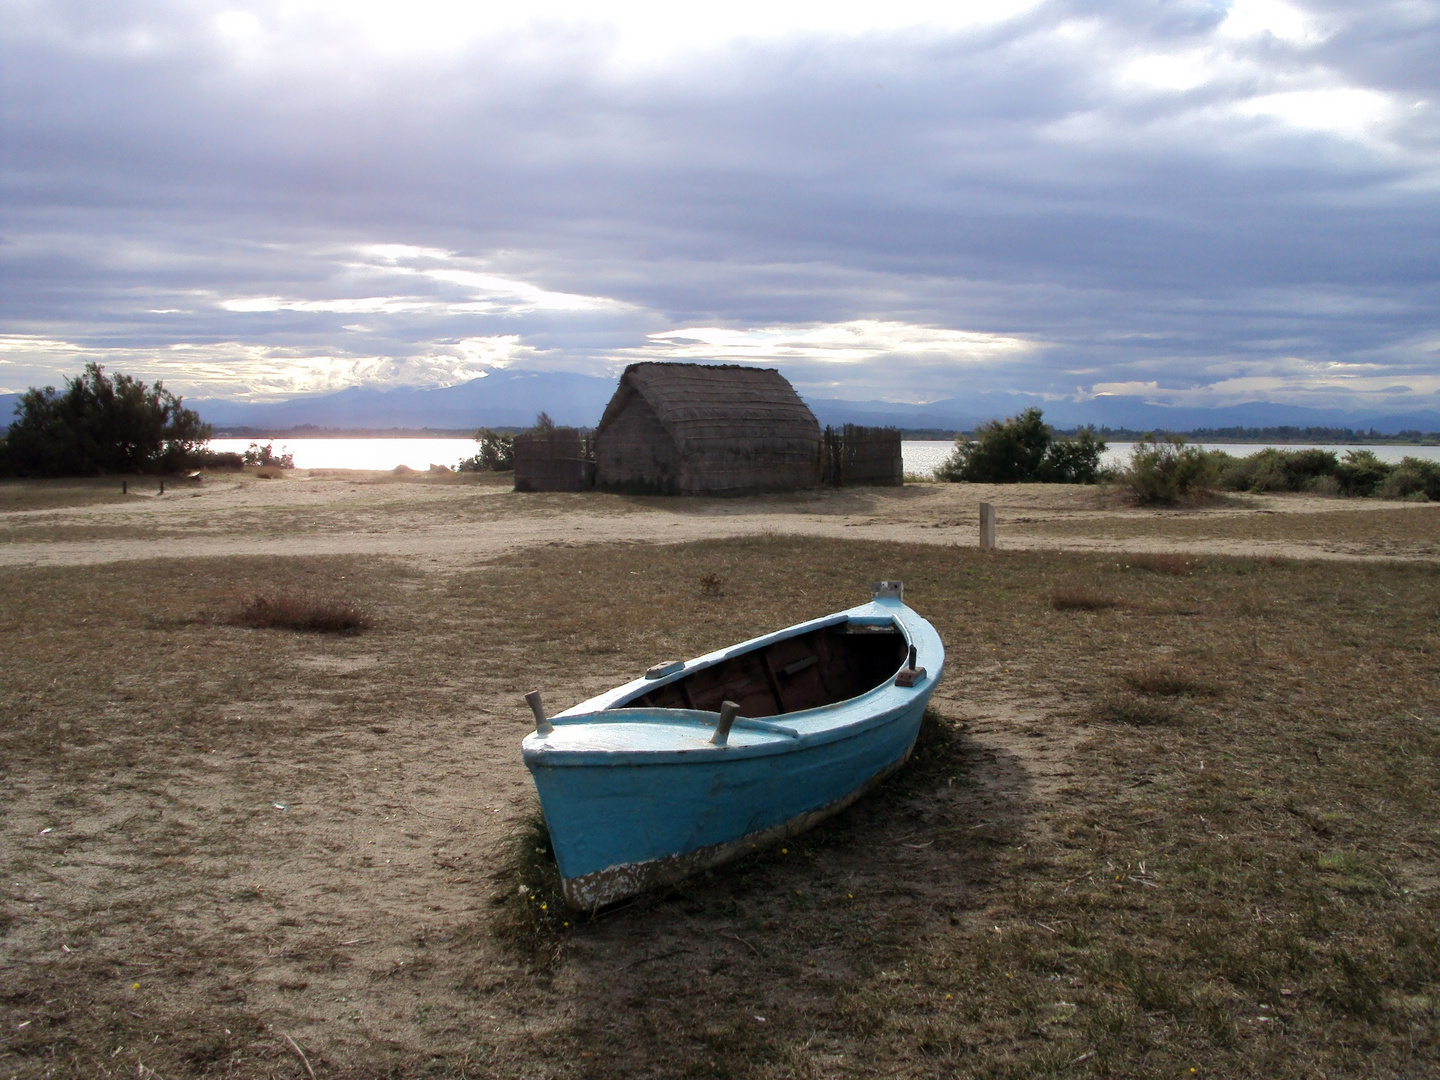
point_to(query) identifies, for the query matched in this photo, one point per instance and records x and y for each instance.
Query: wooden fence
(862, 455)
(553, 460)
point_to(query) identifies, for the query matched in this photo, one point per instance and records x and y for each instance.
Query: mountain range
(512, 398)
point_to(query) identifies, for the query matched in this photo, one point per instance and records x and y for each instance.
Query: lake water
(922, 457)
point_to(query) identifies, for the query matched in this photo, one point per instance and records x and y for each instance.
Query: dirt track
(453, 521)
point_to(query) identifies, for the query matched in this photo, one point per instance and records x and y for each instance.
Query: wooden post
(987, 527)
(124, 487)
(162, 487)
(728, 709)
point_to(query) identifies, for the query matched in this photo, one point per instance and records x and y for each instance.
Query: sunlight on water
(362, 453)
(922, 457)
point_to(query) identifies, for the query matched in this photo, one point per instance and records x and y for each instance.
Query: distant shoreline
(1271, 436)
(305, 431)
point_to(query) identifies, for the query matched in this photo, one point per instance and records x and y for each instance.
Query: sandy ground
(320, 822)
(457, 521)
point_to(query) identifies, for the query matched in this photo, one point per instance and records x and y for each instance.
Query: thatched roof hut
(701, 429)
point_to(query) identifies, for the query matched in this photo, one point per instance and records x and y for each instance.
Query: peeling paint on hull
(592, 891)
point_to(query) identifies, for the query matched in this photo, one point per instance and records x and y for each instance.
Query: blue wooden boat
(703, 760)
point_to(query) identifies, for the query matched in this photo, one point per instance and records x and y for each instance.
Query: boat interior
(822, 667)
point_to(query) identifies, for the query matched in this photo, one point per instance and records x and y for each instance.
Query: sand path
(448, 522)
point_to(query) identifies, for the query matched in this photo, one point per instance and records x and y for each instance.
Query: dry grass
(23, 495)
(1360, 524)
(1246, 889)
(1134, 709)
(301, 610)
(1164, 563)
(1074, 598)
(1166, 681)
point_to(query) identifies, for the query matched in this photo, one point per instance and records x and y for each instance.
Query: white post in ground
(987, 526)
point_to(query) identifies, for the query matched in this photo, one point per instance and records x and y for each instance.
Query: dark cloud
(1194, 203)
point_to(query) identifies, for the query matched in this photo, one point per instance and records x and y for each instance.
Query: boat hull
(639, 793)
(617, 832)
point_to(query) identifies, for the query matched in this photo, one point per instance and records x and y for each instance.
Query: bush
(1024, 449)
(100, 425)
(212, 459)
(1414, 478)
(1170, 472)
(1277, 470)
(301, 611)
(1362, 473)
(1164, 562)
(1073, 460)
(1080, 599)
(265, 455)
(1318, 471)
(496, 453)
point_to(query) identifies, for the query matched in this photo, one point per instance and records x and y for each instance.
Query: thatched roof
(701, 403)
(695, 428)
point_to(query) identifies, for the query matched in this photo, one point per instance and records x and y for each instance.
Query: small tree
(1022, 449)
(100, 425)
(265, 455)
(1362, 472)
(495, 453)
(1168, 472)
(1073, 460)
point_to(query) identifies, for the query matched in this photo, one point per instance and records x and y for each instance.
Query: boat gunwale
(538, 754)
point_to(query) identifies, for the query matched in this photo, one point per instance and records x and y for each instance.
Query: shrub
(99, 424)
(301, 611)
(1081, 600)
(1166, 682)
(213, 459)
(1361, 473)
(1170, 472)
(1168, 562)
(1073, 460)
(265, 455)
(1024, 449)
(496, 453)
(1276, 470)
(1413, 478)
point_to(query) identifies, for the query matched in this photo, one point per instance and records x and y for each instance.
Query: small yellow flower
(134, 986)
(784, 851)
(544, 907)
(949, 996)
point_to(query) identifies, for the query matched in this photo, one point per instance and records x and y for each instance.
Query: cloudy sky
(1200, 203)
